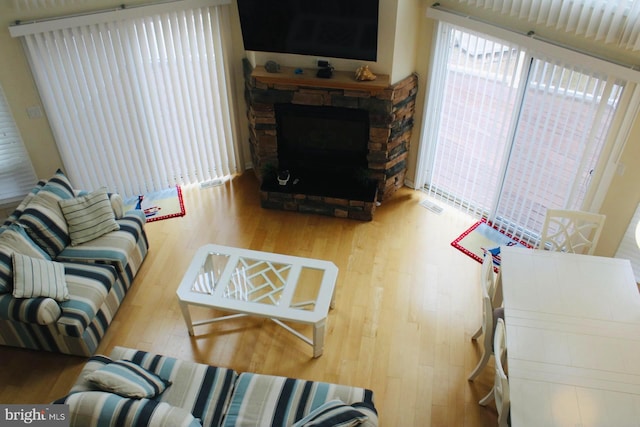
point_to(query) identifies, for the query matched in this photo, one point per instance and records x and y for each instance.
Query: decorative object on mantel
(364, 74)
(272, 66)
(325, 70)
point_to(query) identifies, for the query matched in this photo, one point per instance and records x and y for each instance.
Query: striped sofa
(97, 273)
(203, 395)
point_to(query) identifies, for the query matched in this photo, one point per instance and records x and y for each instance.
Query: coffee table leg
(187, 317)
(318, 338)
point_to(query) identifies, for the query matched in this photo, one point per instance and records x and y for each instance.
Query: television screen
(326, 28)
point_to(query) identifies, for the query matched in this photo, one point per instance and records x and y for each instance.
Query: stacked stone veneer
(391, 113)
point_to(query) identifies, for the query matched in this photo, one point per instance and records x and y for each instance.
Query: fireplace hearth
(343, 144)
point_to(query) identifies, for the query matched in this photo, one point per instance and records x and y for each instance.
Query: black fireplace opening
(324, 150)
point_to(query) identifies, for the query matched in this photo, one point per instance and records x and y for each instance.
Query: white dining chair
(571, 231)
(493, 284)
(489, 314)
(500, 390)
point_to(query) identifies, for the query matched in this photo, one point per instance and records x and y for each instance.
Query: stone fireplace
(343, 143)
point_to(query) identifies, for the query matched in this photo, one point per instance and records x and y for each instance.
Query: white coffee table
(254, 283)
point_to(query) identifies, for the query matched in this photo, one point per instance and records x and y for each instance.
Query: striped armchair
(204, 395)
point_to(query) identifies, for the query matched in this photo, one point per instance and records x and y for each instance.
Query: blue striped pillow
(43, 217)
(128, 379)
(97, 408)
(334, 413)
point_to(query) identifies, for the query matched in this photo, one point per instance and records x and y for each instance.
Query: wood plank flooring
(406, 306)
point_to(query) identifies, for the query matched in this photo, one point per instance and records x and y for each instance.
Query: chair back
(486, 328)
(501, 384)
(487, 321)
(571, 231)
(490, 281)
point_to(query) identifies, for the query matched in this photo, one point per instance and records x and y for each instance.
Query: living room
(401, 262)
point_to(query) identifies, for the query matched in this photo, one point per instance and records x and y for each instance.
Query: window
(513, 133)
(138, 101)
(17, 176)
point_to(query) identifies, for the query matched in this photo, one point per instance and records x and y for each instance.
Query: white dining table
(573, 339)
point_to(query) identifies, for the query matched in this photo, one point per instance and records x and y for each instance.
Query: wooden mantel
(340, 79)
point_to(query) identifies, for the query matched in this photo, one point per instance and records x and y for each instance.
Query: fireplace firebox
(323, 150)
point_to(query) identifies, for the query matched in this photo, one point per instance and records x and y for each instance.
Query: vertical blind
(611, 21)
(17, 176)
(478, 86)
(142, 103)
(43, 4)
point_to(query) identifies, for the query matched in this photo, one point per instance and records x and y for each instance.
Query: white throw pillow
(38, 278)
(89, 217)
(128, 379)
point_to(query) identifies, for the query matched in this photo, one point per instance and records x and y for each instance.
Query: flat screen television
(325, 28)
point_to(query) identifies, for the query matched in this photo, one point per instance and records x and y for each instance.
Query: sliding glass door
(563, 121)
(512, 134)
